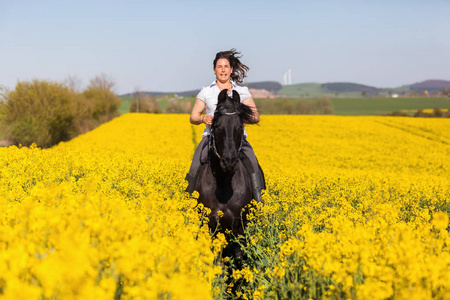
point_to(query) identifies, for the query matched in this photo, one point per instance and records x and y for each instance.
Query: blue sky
(170, 45)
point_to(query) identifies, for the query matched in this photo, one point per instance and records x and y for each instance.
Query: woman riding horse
(229, 72)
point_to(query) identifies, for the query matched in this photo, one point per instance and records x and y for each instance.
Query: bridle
(212, 140)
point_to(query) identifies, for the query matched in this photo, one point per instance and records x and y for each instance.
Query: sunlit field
(355, 208)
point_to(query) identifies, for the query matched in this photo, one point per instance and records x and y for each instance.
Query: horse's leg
(235, 248)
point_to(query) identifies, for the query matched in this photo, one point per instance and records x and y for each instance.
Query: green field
(125, 105)
(303, 90)
(346, 90)
(313, 90)
(348, 106)
(380, 106)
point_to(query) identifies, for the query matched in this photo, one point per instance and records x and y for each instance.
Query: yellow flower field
(356, 208)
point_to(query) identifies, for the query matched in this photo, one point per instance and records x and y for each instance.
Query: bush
(304, 107)
(145, 104)
(397, 113)
(437, 113)
(324, 106)
(40, 112)
(297, 107)
(420, 114)
(178, 107)
(46, 113)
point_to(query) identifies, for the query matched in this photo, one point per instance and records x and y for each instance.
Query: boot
(191, 184)
(257, 184)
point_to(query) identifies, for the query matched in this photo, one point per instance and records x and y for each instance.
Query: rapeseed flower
(355, 207)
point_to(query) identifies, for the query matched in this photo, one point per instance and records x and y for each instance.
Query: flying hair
(239, 69)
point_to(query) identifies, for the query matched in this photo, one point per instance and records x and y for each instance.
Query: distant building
(394, 95)
(287, 77)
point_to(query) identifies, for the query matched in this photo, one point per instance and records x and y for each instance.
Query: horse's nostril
(228, 164)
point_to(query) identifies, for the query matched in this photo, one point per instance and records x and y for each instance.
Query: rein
(212, 140)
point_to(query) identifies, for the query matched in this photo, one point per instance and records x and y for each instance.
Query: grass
(125, 105)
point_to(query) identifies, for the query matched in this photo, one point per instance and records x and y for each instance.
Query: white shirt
(209, 95)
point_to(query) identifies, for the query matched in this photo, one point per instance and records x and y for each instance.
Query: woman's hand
(207, 120)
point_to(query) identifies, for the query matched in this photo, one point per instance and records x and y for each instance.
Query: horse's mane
(225, 107)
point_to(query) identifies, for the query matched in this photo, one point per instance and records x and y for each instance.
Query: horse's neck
(214, 163)
(222, 178)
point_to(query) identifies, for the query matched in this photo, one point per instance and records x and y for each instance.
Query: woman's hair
(239, 69)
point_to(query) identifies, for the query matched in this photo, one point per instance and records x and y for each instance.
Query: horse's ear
(236, 97)
(222, 96)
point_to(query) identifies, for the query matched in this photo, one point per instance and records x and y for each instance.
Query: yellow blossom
(440, 220)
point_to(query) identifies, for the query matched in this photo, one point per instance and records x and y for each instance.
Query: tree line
(44, 112)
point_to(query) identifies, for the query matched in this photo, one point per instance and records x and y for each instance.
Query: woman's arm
(196, 114)
(251, 103)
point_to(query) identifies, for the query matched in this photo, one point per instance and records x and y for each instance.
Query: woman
(229, 72)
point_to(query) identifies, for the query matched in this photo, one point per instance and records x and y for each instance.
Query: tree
(103, 82)
(178, 107)
(324, 106)
(104, 102)
(74, 82)
(436, 94)
(144, 104)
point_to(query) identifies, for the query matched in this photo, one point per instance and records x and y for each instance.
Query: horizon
(170, 45)
(246, 83)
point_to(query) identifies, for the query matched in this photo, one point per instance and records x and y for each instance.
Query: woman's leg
(253, 169)
(192, 175)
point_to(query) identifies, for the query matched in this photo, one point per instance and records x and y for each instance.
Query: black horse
(224, 183)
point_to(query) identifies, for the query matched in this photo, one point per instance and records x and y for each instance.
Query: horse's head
(227, 129)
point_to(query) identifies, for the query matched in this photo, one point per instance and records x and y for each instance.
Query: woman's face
(223, 70)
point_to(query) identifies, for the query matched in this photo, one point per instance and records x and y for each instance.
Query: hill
(350, 90)
(159, 94)
(344, 87)
(271, 86)
(330, 89)
(430, 85)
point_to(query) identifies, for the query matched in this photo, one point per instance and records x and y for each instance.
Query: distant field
(312, 90)
(348, 106)
(303, 90)
(379, 106)
(125, 105)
